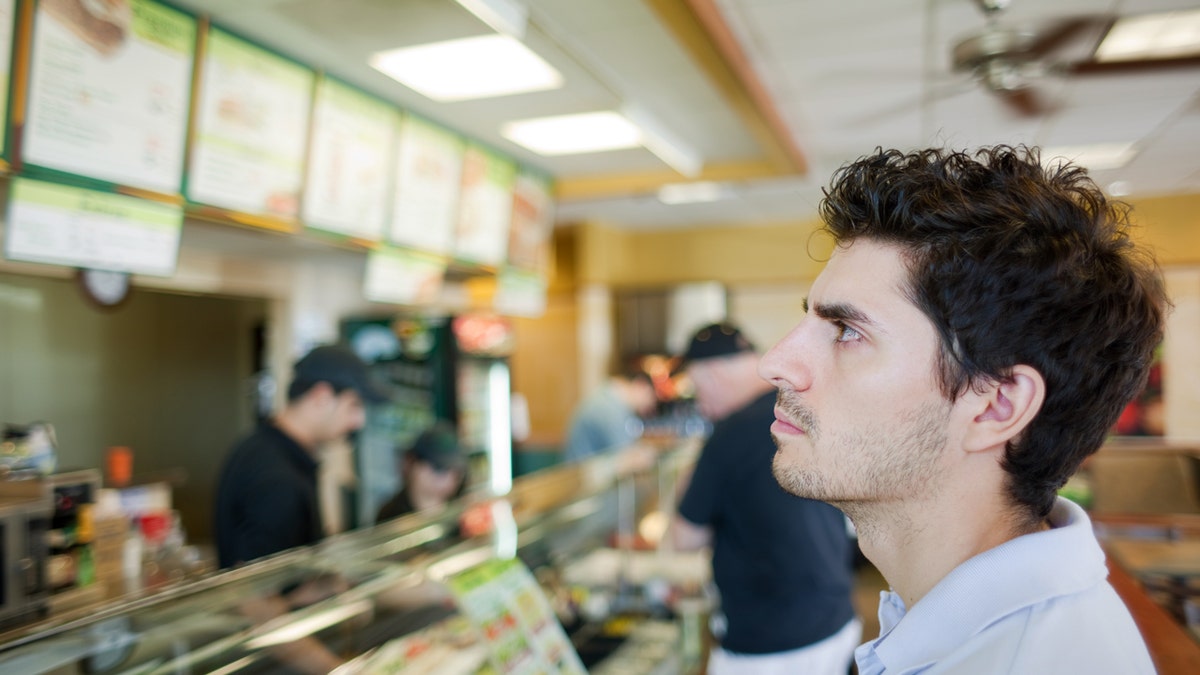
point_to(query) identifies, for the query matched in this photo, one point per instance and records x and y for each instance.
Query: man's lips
(783, 426)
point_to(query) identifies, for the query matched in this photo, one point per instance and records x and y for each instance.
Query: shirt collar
(1019, 573)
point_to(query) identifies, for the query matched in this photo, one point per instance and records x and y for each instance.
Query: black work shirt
(399, 505)
(781, 563)
(266, 498)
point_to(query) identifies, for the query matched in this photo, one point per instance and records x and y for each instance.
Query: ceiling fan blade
(1131, 66)
(1069, 31)
(1024, 101)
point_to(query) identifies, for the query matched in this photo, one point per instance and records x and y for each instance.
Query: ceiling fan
(1009, 60)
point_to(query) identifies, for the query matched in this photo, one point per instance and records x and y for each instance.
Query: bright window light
(1095, 157)
(574, 134)
(1162, 35)
(470, 68)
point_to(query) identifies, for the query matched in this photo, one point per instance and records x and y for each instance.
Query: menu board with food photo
(485, 207)
(109, 87)
(353, 138)
(6, 35)
(428, 177)
(66, 225)
(251, 129)
(523, 635)
(532, 222)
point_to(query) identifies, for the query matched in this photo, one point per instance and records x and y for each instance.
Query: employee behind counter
(432, 472)
(267, 494)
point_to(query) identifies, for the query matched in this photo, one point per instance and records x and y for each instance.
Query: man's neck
(916, 544)
(291, 423)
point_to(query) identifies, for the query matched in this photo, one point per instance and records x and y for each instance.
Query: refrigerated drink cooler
(451, 368)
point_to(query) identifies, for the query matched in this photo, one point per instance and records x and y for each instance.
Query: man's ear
(1004, 408)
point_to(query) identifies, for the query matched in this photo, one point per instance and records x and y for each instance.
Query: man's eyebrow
(841, 312)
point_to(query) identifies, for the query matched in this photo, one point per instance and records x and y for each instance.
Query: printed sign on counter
(506, 604)
(532, 223)
(251, 126)
(109, 89)
(353, 143)
(403, 277)
(6, 35)
(428, 177)
(64, 225)
(485, 206)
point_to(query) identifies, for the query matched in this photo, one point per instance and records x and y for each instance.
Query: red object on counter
(118, 466)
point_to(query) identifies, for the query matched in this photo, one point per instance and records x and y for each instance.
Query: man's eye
(846, 333)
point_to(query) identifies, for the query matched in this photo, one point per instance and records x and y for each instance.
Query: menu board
(506, 604)
(353, 142)
(250, 131)
(65, 225)
(520, 293)
(428, 177)
(484, 207)
(403, 277)
(108, 92)
(532, 222)
(6, 35)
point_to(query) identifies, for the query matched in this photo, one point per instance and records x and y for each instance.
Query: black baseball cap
(340, 367)
(438, 446)
(712, 341)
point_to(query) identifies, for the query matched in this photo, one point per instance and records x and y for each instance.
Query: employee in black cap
(433, 471)
(267, 494)
(782, 564)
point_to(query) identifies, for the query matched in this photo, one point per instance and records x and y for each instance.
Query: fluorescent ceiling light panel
(574, 134)
(1162, 35)
(470, 68)
(694, 193)
(504, 16)
(1095, 157)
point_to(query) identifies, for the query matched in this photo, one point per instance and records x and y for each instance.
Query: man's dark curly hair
(1016, 263)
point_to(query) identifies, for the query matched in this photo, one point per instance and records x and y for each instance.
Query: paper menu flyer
(428, 177)
(349, 177)
(484, 207)
(109, 91)
(523, 635)
(251, 129)
(6, 35)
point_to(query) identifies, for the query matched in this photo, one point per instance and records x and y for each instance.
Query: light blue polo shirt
(1039, 604)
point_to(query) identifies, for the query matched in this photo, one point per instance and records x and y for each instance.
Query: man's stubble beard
(885, 462)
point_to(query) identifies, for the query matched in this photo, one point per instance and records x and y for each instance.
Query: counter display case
(377, 600)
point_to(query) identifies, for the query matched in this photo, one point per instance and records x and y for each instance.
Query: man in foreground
(977, 331)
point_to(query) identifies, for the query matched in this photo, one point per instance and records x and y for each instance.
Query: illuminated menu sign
(109, 89)
(428, 176)
(64, 225)
(251, 125)
(484, 207)
(353, 141)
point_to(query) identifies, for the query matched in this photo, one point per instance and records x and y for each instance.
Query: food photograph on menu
(109, 87)
(349, 177)
(251, 129)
